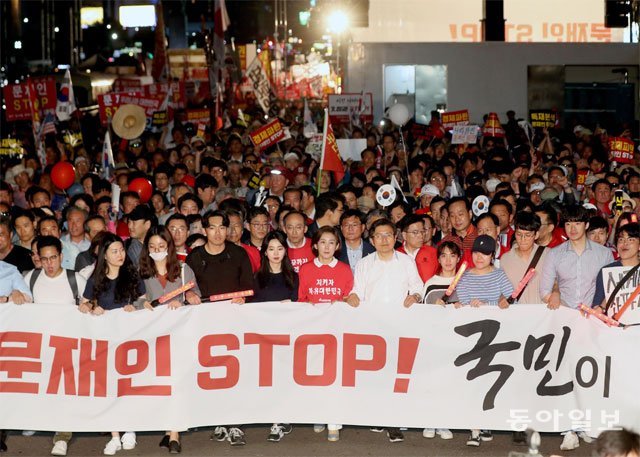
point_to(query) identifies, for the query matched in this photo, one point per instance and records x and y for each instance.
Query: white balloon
(399, 114)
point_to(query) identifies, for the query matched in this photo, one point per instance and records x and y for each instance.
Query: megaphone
(129, 121)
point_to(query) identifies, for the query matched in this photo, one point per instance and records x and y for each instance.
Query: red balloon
(143, 187)
(63, 175)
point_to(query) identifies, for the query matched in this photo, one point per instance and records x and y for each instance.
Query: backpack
(71, 277)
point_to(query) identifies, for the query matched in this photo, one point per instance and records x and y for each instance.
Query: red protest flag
(330, 159)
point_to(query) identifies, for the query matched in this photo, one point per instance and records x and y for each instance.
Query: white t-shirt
(435, 287)
(55, 291)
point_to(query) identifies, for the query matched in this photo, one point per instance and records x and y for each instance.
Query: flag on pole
(160, 61)
(396, 184)
(310, 127)
(107, 156)
(35, 122)
(220, 25)
(48, 124)
(66, 104)
(330, 159)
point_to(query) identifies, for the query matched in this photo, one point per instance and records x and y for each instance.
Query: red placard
(126, 84)
(159, 90)
(267, 135)
(109, 103)
(453, 118)
(17, 102)
(621, 149)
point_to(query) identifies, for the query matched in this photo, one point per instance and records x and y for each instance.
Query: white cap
(492, 183)
(429, 189)
(537, 186)
(291, 155)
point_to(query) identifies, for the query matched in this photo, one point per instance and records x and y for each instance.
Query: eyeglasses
(525, 235)
(350, 226)
(383, 236)
(251, 162)
(260, 225)
(53, 258)
(627, 239)
(177, 229)
(416, 232)
(437, 179)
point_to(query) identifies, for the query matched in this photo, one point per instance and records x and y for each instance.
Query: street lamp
(338, 23)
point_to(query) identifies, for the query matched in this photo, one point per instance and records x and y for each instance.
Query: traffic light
(616, 13)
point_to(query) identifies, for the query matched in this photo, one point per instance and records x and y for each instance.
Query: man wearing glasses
(518, 260)
(426, 257)
(386, 279)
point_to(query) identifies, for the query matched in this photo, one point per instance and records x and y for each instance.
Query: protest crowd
(418, 220)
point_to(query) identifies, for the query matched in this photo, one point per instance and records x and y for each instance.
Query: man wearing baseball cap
(141, 219)
(427, 193)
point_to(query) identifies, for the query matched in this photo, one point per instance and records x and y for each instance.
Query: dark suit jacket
(367, 249)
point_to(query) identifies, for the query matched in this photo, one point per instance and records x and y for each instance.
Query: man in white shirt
(55, 285)
(76, 234)
(386, 278)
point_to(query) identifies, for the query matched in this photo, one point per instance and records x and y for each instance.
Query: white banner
(610, 278)
(291, 362)
(260, 82)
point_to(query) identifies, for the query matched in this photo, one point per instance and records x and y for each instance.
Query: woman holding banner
(164, 275)
(114, 284)
(325, 280)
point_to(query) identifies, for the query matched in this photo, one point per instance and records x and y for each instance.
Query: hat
(589, 206)
(429, 189)
(492, 184)
(625, 197)
(278, 171)
(291, 155)
(129, 121)
(196, 138)
(142, 212)
(80, 159)
(134, 141)
(14, 171)
(536, 186)
(484, 244)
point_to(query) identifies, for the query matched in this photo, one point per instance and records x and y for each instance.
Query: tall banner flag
(66, 105)
(107, 156)
(160, 61)
(261, 85)
(310, 127)
(330, 159)
(35, 121)
(220, 25)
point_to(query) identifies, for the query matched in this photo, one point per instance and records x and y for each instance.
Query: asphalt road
(354, 441)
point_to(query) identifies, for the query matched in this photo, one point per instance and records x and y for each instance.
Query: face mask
(158, 255)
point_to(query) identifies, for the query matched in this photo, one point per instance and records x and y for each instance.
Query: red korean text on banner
(108, 104)
(268, 135)
(493, 127)
(581, 178)
(343, 107)
(198, 116)
(16, 98)
(453, 118)
(330, 159)
(621, 149)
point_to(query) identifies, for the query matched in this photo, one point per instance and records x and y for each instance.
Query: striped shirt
(487, 288)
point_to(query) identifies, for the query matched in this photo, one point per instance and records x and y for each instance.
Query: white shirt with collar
(378, 282)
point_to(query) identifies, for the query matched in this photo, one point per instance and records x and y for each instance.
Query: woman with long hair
(162, 273)
(114, 284)
(276, 280)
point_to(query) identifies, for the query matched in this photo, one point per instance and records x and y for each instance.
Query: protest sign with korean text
(16, 98)
(346, 107)
(462, 134)
(508, 369)
(109, 103)
(10, 146)
(268, 134)
(452, 118)
(621, 149)
(544, 119)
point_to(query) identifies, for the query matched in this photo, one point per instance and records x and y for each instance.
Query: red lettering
(97, 366)
(163, 355)
(265, 344)
(231, 363)
(329, 364)
(351, 364)
(29, 348)
(62, 365)
(141, 349)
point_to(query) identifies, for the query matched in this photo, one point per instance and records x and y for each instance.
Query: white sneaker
(445, 433)
(128, 441)
(586, 438)
(570, 442)
(28, 432)
(112, 446)
(318, 428)
(429, 433)
(59, 448)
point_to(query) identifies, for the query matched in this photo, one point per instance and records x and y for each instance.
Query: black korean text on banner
(611, 276)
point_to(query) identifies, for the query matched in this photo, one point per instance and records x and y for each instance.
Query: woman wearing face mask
(162, 273)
